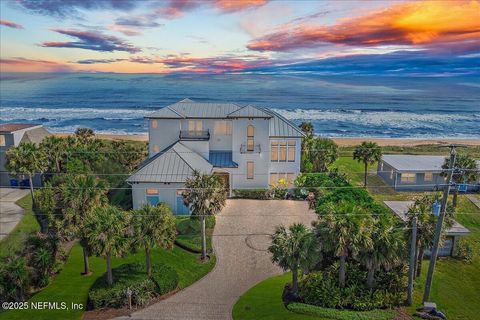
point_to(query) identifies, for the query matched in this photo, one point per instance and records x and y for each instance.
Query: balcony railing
(250, 149)
(195, 135)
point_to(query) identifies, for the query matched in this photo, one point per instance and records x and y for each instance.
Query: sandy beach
(343, 142)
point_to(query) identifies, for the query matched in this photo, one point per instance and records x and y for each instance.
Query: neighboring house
(12, 134)
(249, 147)
(452, 234)
(415, 172)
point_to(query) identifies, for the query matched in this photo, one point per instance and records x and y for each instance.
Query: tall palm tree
(27, 159)
(368, 153)
(206, 196)
(84, 135)
(56, 149)
(386, 248)
(468, 172)
(294, 248)
(307, 128)
(81, 194)
(154, 227)
(107, 234)
(344, 230)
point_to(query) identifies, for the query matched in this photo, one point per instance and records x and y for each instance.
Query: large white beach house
(250, 147)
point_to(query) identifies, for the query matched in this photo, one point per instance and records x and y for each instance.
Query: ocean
(338, 106)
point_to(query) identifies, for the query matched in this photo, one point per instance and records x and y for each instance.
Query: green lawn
(13, 243)
(189, 235)
(69, 286)
(456, 284)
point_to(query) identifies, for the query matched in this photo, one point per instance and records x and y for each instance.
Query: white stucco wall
(167, 193)
(166, 133)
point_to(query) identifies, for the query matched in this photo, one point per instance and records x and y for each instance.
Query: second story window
(223, 127)
(195, 127)
(154, 124)
(250, 137)
(283, 151)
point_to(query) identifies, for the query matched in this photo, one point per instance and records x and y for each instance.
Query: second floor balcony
(253, 148)
(194, 135)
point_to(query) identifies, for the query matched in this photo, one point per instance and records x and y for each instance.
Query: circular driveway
(240, 241)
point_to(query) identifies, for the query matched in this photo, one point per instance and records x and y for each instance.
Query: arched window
(250, 137)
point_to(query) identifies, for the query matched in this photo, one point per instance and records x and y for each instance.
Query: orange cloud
(416, 23)
(10, 24)
(237, 5)
(29, 65)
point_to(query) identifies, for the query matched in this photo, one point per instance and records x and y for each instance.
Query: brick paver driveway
(240, 241)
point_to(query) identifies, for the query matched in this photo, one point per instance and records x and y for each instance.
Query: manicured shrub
(358, 196)
(191, 225)
(464, 251)
(260, 194)
(326, 313)
(133, 276)
(165, 277)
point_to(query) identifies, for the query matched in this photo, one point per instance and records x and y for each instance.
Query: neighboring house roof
(414, 162)
(282, 128)
(186, 108)
(174, 164)
(400, 208)
(12, 127)
(35, 135)
(222, 159)
(249, 112)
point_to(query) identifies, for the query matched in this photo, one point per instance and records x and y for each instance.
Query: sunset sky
(405, 38)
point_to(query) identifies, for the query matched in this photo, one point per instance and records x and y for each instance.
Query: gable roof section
(174, 164)
(12, 127)
(35, 135)
(187, 108)
(281, 127)
(249, 112)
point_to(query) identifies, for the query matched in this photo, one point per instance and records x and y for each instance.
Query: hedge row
(337, 314)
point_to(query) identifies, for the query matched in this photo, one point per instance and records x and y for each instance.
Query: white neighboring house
(250, 147)
(11, 135)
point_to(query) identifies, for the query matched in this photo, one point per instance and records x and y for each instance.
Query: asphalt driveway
(240, 241)
(10, 213)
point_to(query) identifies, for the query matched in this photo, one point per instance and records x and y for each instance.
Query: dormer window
(250, 137)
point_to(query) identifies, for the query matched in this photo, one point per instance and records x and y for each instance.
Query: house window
(290, 179)
(291, 151)
(250, 169)
(273, 178)
(428, 176)
(154, 124)
(2, 140)
(152, 196)
(276, 177)
(250, 137)
(408, 177)
(156, 149)
(223, 127)
(283, 151)
(195, 125)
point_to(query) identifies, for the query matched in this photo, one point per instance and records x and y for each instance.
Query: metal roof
(400, 208)
(35, 135)
(187, 108)
(174, 164)
(222, 159)
(281, 127)
(414, 162)
(249, 112)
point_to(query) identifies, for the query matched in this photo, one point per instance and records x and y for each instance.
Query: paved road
(10, 213)
(240, 241)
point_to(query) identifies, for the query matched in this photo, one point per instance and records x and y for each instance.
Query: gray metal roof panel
(400, 208)
(249, 112)
(175, 164)
(281, 127)
(414, 162)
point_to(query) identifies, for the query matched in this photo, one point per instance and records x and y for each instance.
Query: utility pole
(439, 226)
(413, 253)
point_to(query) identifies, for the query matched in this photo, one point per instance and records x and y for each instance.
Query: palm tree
(107, 234)
(56, 150)
(368, 153)
(206, 196)
(294, 248)
(468, 172)
(27, 159)
(426, 224)
(344, 230)
(388, 242)
(307, 128)
(84, 135)
(154, 226)
(80, 194)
